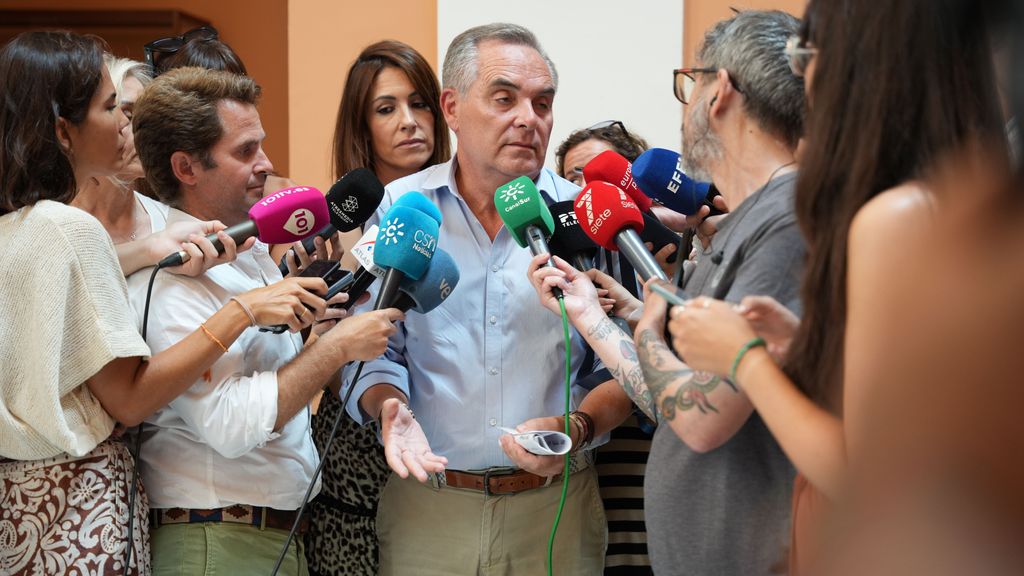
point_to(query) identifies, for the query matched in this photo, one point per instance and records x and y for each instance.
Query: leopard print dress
(342, 537)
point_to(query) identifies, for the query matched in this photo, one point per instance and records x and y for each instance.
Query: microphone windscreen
(520, 205)
(418, 201)
(611, 167)
(659, 173)
(354, 198)
(437, 283)
(569, 239)
(406, 241)
(604, 210)
(289, 215)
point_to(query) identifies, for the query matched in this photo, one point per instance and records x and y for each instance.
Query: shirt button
(494, 268)
(493, 319)
(493, 371)
(493, 422)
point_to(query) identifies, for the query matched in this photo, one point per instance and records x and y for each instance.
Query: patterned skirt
(69, 515)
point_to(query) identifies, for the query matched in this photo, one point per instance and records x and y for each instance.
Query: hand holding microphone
(350, 203)
(283, 217)
(526, 216)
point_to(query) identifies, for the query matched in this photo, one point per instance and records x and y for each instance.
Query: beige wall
(324, 38)
(699, 15)
(255, 29)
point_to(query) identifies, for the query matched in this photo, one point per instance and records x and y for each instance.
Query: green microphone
(526, 216)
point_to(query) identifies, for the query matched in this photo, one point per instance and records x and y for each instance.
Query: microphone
(612, 219)
(367, 271)
(350, 202)
(526, 216)
(570, 242)
(286, 216)
(432, 289)
(611, 167)
(418, 201)
(659, 173)
(658, 235)
(404, 247)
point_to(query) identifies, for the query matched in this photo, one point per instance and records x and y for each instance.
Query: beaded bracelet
(753, 343)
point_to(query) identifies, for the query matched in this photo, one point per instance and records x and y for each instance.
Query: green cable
(565, 472)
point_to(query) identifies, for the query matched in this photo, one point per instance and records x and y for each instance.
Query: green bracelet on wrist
(753, 343)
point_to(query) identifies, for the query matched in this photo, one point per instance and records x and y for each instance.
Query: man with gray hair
(718, 487)
(487, 357)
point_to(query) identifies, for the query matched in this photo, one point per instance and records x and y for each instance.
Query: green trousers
(217, 548)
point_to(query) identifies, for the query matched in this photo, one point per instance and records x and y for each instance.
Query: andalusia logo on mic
(391, 232)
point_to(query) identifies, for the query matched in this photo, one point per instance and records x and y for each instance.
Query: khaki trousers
(429, 530)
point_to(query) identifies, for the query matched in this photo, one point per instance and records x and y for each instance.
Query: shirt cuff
(374, 373)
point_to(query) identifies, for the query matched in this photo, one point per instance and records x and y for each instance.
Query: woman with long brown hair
(892, 88)
(389, 121)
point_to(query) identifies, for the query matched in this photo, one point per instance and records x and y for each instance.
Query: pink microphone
(284, 217)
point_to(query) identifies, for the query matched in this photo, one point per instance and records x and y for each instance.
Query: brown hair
(353, 147)
(624, 142)
(43, 76)
(208, 53)
(178, 112)
(896, 86)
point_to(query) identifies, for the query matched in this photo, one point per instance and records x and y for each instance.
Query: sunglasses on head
(159, 49)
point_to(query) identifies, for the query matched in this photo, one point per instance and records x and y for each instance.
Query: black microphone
(350, 202)
(569, 242)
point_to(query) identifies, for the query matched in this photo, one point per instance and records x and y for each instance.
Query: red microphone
(612, 219)
(284, 217)
(611, 167)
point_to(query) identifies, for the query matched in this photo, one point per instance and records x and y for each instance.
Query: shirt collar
(442, 177)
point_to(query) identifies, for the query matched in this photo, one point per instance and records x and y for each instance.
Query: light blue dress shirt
(490, 355)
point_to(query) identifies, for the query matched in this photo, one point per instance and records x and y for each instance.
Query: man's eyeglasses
(157, 50)
(683, 82)
(799, 55)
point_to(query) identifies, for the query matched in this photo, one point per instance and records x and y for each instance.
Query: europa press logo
(391, 231)
(511, 194)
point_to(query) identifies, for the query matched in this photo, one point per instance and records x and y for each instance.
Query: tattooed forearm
(663, 371)
(631, 377)
(604, 329)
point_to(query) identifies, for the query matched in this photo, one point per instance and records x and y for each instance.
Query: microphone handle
(239, 233)
(539, 245)
(404, 302)
(632, 247)
(325, 233)
(388, 288)
(361, 281)
(582, 261)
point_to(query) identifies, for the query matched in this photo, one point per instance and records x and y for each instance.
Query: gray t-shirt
(727, 512)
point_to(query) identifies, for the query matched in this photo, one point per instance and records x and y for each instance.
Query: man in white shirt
(226, 464)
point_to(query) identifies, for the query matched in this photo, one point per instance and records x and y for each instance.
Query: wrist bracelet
(753, 343)
(586, 425)
(213, 338)
(248, 312)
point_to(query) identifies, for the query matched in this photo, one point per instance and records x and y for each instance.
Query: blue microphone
(418, 201)
(432, 289)
(659, 174)
(404, 247)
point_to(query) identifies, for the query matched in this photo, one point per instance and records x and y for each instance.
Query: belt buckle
(494, 473)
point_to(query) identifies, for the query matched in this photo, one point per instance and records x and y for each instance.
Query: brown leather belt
(258, 516)
(498, 481)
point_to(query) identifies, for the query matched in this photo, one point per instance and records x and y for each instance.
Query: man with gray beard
(717, 488)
